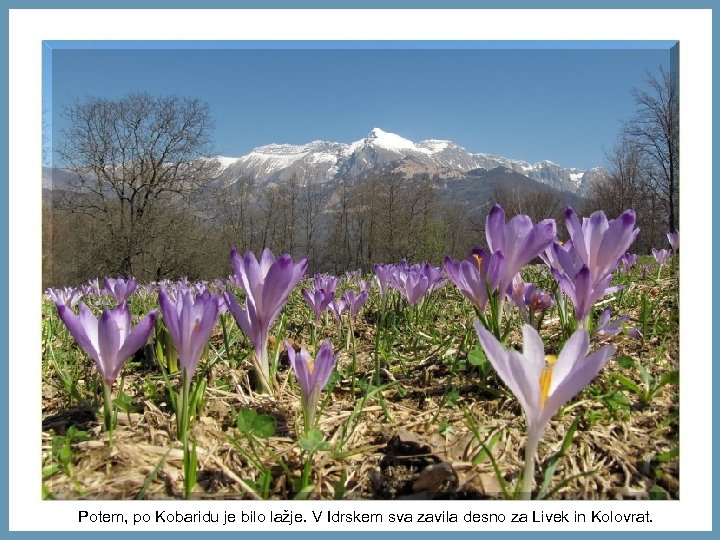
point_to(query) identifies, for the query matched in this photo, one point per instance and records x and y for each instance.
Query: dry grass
(396, 450)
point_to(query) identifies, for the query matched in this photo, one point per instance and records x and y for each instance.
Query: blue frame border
(315, 4)
(369, 44)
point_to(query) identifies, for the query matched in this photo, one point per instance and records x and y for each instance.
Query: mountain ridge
(327, 161)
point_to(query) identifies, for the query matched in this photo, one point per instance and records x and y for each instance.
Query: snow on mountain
(389, 141)
(327, 161)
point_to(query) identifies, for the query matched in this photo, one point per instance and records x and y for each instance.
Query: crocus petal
(138, 336)
(246, 319)
(324, 364)
(582, 294)
(582, 374)
(495, 228)
(575, 230)
(496, 270)
(83, 328)
(532, 344)
(236, 261)
(205, 313)
(517, 232)
(530, 242)
(298, 361)
(573, 351)
(310, 299)
(169, 312)
(186, 321)
(267, 259)
(252, 278)
(90, 324)
(277, 287)
(594, 230)
(469, 279)
(109, 336)
(616, 240)
(520, 374)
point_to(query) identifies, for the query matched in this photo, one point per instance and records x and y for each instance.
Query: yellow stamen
(546, 378)
(478, 260)
(310, 363)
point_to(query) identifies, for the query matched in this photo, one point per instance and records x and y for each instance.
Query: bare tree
(539, 204)
(136, 160)
(235, 212)
(312, 199)
(287, 217)
(629, 185)
(656, 129)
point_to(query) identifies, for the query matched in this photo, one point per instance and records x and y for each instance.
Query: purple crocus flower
(120, 289)
(469, 276)
(384, 276)
(514, 244)
(600, 243)
(364, 286)
(325, 282)
(662, 256)
(674, 239)
(312, 375)
(583, 266)
(222, 303)
(337, 308)
(318, 300)
(412, 285)
(582, 291)
(67, 296)
(606, 328)
(519, 291)
(91, 288)
(108, 339)
(190, 319)
(628, 261)
(415, 281)
(354, 301)
(531, 301)
(539, 300)
(542, 383)
(267, 284)
(434, 275)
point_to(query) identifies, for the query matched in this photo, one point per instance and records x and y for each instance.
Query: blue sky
(562, 104)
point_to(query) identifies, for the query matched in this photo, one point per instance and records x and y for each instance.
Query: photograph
(360, 270)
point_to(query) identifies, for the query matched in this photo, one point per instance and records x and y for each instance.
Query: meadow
(530, 369)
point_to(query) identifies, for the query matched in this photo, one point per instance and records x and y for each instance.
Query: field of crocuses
(533, 368)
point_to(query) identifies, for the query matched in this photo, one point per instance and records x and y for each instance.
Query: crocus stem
(501, 310)
(108, 409)
(226, 342)
(184, 426)
(354, 353)
(306, 471)
(584, 323)
(529, 472)
(378, 332)
(262, 369)
(183, 410)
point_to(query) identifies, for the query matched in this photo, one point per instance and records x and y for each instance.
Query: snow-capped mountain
(327, 161)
